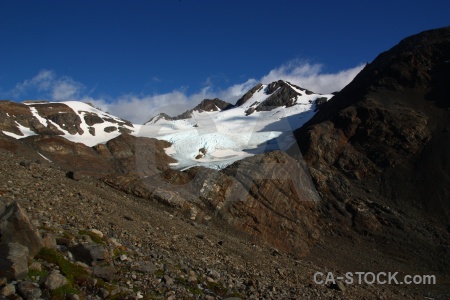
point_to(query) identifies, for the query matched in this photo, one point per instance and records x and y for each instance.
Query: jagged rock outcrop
(275, 201)
(15, 227)
(269, 197)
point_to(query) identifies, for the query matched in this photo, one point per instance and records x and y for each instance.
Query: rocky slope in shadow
(379, 151)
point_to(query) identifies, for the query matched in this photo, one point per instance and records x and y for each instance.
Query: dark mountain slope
(379, 151)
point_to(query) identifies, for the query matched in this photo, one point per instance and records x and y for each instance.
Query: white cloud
(309, 76)
(236, 91)
(303, 74)
(66, 89)
(41, 82)
(140, 108)
(48, 85)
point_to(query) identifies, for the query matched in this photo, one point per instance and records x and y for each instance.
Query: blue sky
(131, 57)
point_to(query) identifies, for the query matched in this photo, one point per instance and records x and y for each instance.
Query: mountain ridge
(378, 151)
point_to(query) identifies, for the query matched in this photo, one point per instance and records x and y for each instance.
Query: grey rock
(36, 266)
(89, 253)
(13, 261)
(144, 267)
(15, 227)
(48, 240)
(8, 290)
(339, 286)
(29, 290)
(167, 280)
(73, 297)
(74, 175)
(106, 273)
(213, 273)
(55, 280)
(104, 293)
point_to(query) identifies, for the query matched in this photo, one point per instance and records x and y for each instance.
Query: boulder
(8, 290)
(29, 290)
(13, 261)
(144, 267)
(15, 227)
(106, 273)
(89, 253)
(55, 280)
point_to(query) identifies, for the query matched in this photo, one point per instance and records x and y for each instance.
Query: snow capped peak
(160, 116)
(215, 136)
(214, 133)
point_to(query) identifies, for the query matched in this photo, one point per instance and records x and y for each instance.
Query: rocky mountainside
(76, 121)
(379, 151)
(100, 243)
(92, 206)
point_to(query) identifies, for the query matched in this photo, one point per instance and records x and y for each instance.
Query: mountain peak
(249, 94)
(288, 90)
(160, 116)
(265, 97)
(206, 105)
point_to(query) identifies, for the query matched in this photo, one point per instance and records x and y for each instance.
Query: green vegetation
(195, 290)
(73, 273)
(35, 273)
(68, 235)
(118, 251)
(62, 292)
(217, 288)
(94, 237)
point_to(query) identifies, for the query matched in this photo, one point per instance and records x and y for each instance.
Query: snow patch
(44, 157)
(24, 130)
(231, 135)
